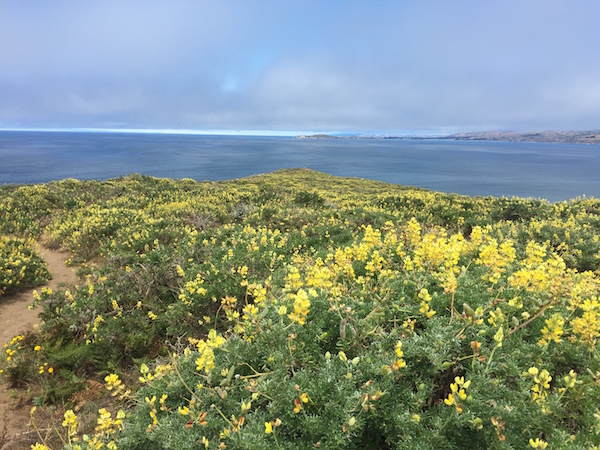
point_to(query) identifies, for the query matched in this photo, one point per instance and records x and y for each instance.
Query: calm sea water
(551, 171)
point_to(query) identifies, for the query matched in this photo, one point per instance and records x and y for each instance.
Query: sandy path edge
(16, 318)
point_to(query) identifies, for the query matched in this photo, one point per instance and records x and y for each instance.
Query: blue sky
(320, 66)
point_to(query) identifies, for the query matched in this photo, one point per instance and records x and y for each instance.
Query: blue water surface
(551, 171)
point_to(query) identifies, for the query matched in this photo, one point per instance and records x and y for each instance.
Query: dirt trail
(16, 318)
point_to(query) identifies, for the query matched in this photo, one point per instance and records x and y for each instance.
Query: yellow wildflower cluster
(38, 446)
(496, 257)
(259, 292)
(319, 276)
(11, 348)
(229, 307)
(457, 392)
(206, 361)
(540, 388)
(538, 443)
(19, 263)
(553, 330)
(424, 301)
(44, 367)
(269, 425)
(70, 422)
(587, 326)
(436, 252)
(293, 280)
(193, 290)
(114, 384)
(301, 306)
(106, 424)
(413, 232)
(399, 363)
(298, 402)
(159, 371)
(198, 417)
(537, 274)
(105, 430)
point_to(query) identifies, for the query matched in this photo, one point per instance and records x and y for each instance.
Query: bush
(20, 264)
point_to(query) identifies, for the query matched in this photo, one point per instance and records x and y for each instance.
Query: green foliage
(20, 264)
(300, 310)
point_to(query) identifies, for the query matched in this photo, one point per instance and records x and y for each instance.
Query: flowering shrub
(20, 264)
(299, 310)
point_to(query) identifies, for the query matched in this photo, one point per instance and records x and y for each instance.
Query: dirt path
(16, 318)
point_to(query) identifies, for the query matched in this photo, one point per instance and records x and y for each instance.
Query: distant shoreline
(564, 137)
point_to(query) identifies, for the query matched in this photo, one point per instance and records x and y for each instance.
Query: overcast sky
(368, 66)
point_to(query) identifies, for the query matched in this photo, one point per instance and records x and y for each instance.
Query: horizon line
(186, 131)
(225, 132)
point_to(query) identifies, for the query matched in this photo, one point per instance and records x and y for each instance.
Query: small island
(316, 136)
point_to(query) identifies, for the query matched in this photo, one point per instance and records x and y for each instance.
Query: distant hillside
(575, 137)
(571, 137)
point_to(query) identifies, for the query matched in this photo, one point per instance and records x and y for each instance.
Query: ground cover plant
(20, 263)
(301, 310)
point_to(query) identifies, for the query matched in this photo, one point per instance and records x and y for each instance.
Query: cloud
(377, 66)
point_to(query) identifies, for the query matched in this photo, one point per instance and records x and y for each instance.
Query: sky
(377, 66)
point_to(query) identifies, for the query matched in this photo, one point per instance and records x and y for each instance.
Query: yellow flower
(112, 381)
(571, 379)
(553, 330)
(39, 446)
(301, 307)
(462, 383)
(398, 349)
(499, 336)
(70, 422)
(104, 421)
(457, 390)
(538, 443)
(399, 364)
(268, 428)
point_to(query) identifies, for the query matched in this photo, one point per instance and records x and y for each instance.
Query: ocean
(540, 170)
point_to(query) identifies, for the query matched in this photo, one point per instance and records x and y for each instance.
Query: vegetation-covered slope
(301, 310)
